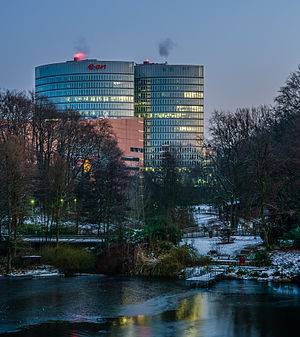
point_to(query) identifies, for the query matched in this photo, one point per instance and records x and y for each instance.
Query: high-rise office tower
(170, 98)
(96, 89)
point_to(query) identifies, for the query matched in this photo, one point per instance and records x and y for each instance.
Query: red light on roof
(79, 56)
(147, 61)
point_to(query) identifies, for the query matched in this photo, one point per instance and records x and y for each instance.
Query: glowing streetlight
(75, 203)
(32, 202)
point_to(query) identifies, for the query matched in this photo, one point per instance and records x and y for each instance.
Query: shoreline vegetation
(163, 260)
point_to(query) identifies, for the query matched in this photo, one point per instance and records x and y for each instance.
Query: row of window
(181, 163)
(175, 122)
(76, 92)
(130, 158)
(95, 106)
(73, 99)
(84, 85)
(182, 101)
(178, 149)
(172, 80)
(160, 88)
(84, 77)
(189, 115)
(105, 113)
(174, 129)
(148, 110)
(183, 143)
(169, 94)
(178, 156)
(136, 149)
(184, 135)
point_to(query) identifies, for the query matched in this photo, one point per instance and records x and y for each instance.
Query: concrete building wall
(129, 132)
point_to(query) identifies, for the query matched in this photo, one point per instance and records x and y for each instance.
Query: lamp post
(76, 215)
(32, 202)
(75, 201)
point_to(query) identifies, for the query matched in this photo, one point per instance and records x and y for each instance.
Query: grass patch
(69, 260)
(167, 265)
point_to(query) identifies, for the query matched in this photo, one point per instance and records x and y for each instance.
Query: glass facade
(170, 98)
(97, 89)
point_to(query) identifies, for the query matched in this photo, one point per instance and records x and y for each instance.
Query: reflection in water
(189, 312)
(95, 306)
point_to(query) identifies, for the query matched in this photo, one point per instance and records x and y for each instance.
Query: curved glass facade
(97, 89)
(170, 98)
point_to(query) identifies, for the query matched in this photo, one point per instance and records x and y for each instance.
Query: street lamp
(32, 202)
(75, 201)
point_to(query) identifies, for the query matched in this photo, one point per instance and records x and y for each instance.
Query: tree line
(255, 164)
(57, 168)
(53, 161)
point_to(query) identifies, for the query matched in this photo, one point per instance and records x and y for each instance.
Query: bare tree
(16, 177)
(242, 162)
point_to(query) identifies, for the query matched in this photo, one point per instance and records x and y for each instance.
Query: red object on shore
(242, 260)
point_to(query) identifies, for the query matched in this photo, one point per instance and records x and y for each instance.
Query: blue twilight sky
(248, 47)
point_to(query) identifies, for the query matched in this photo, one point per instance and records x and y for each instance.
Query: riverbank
(37, 271)
(285, 267)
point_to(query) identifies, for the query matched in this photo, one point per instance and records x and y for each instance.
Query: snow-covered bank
(205, 244)
(39, 271)
(285, 265)
(285, 268)
(53, 239)
(287, 262)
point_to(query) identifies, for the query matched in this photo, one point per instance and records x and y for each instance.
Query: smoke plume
(81, 46)
(165, 47)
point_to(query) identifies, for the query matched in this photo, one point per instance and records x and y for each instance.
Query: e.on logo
(97, 66)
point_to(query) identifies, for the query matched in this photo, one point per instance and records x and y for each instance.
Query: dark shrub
(204, 260)
(117, 259)
(161, 228)
(262, 258)
(30, 229)
(63, 230)
(70, 260)
(169, 264)
(295, 236)
(185, 255)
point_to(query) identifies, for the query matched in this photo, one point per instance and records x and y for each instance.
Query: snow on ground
(287, 262)
(285, 267)
(201, 216)
(40, 271)
(205, 244)
(205, 219)
(78, 239)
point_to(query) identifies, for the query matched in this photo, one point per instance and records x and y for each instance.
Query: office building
(170, 99)
(97, 89)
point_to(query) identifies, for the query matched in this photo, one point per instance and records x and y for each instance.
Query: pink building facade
(130, 133)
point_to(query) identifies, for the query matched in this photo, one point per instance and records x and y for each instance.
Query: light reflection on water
(104, 306)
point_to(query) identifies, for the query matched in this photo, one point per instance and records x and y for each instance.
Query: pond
(110, 306)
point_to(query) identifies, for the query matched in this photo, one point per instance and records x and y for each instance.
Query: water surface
(107, 306)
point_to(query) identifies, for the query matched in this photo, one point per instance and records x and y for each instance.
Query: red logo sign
(97, 66)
